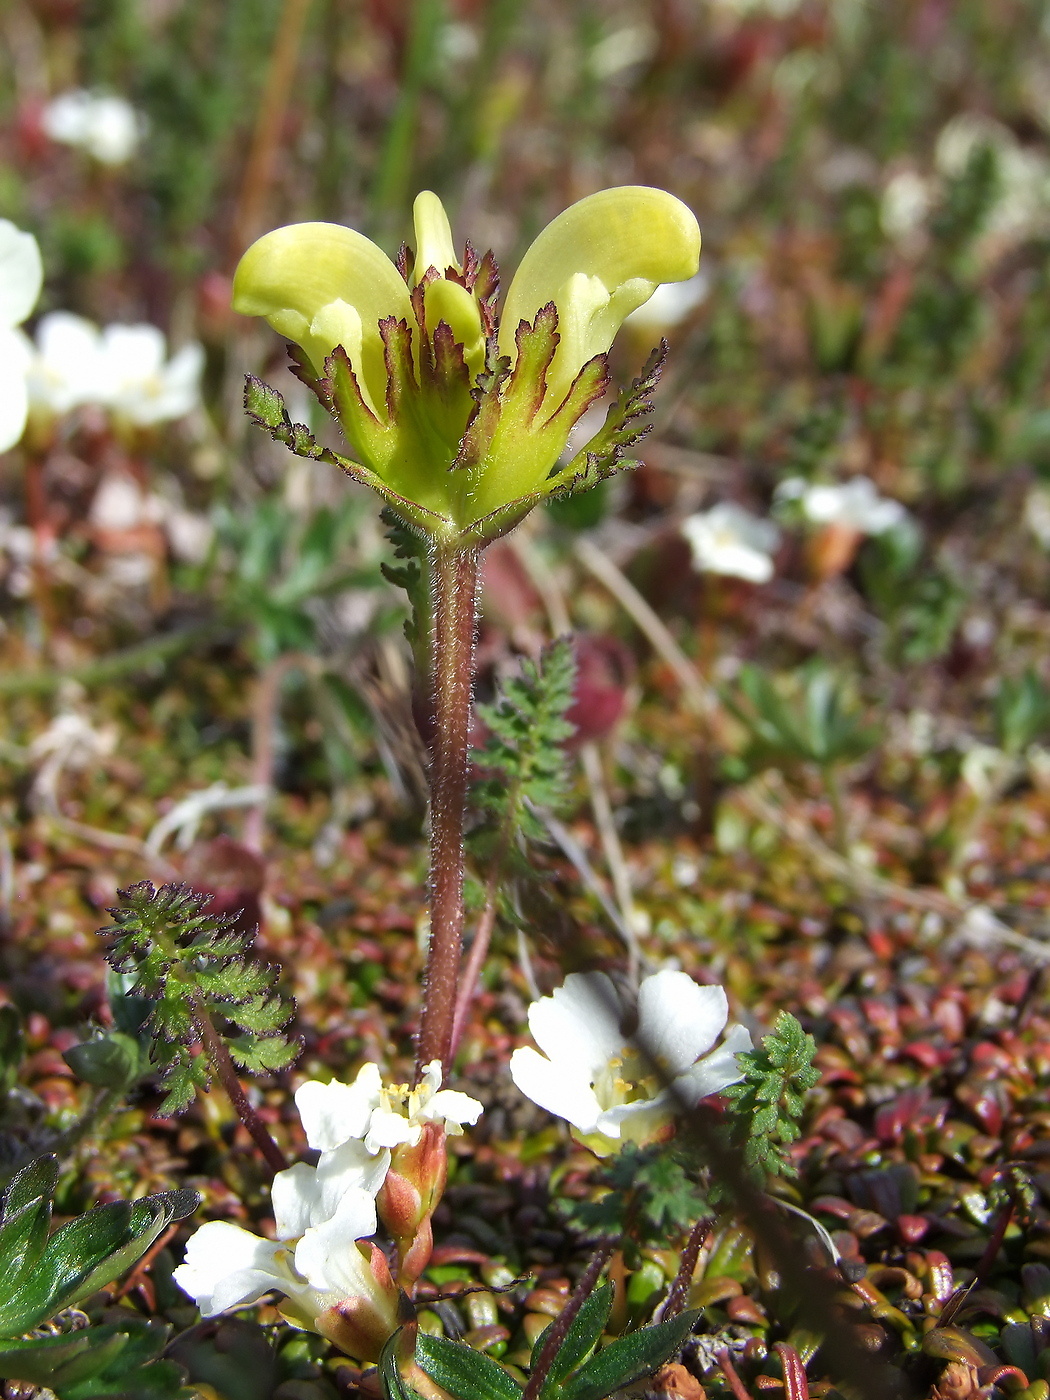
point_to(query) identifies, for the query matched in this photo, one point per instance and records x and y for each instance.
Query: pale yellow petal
(298, 277)
(598, 261)
(434, 245)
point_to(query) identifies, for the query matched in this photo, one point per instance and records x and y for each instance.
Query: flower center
(403, 1100)
(627, 1078)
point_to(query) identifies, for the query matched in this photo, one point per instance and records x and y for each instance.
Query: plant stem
(454, 574)
(679, 1290)
(226, 1073)
(480, 946)
(559, 1328)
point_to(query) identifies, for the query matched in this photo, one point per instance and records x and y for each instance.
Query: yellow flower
(458, 420)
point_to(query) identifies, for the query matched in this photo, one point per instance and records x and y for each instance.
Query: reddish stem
(222, 1064)
(736, 1385)
(454, 576)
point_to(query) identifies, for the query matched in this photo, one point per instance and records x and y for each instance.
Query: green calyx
(459, 422)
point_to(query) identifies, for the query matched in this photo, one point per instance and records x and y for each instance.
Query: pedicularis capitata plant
(459, 416)
(460, 419)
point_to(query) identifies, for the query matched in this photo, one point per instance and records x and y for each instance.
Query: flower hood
(454, 414)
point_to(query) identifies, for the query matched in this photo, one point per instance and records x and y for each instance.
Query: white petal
(351, 1167)
(714, 1071)
(225, 1266)
(306, 1196)
(579, 1025)
(294, 1195)
(432, 1077)
(678, 1021)
(133, 353)
(388, 1129)
(639, 1121)
(454, 1107)
(14, 399)
(21, 274)
(333, 1113)
(564, 1090)
(68, 368)
(326, 1255)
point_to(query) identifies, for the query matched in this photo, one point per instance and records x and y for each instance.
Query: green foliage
(523, 757)
(770, 1099)
(275, 565)
(412, 576)
(626, 424)
(46, 1273)
(665, 1199)
(577, 1372)
(920, 600)
(193, 967)
(814, 722)
(1022, 712)
(119, 1359)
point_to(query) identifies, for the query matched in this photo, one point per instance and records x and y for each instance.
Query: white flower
(671, 303)
(121, 369)
(906, 201)
(189, 534)
(107, 128)
(730, 540)
(66, 369)
(381, 1115)
(614, 1088)
(331, 1286)
(855, 503)
(121, 504)
(21, 277)
(139, 385)
(1023, 204)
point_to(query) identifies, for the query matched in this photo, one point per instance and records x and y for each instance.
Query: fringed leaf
(485, 419)
(265, 407)
(449, 374)
(536, 344)
(626, 424)
(397, 356)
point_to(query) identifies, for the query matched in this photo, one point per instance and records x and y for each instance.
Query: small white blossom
(380, 1115)
(730, 540)
(670, 304)
(614, 1088)
(906, 201)
(1023, 204)
(66, 368)
(108, 128)
(189, 534)
(855, 504)
(21, 277)
(121, 504)
(121, 369)
(330, 1283)
(139, 385)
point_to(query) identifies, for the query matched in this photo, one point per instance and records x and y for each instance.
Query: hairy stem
(454, 574)
(559, 1328)
(226, 1073)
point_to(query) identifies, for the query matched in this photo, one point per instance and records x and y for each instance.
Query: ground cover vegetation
(643, 990)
